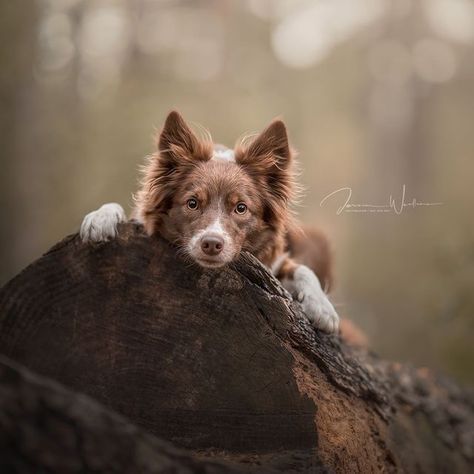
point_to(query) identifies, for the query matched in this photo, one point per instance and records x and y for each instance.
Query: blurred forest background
(377, 94)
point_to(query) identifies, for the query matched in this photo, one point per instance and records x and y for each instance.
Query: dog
(213, 203)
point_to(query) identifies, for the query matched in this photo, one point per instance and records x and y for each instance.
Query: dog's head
(214, 202)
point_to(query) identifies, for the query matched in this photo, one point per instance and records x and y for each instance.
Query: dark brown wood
(45, 428)
(224, 364)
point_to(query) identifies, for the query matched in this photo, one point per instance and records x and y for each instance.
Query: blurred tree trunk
(17, 44)
(398, 105)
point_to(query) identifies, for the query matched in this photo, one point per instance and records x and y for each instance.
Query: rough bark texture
(224, 364)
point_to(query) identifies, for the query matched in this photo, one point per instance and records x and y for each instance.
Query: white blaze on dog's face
(213, 202)
(213, 245)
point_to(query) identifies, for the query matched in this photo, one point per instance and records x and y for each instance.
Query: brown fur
(311, 248)
(262, 177)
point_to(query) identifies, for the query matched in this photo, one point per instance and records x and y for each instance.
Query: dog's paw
(101, 225)
(305, 288)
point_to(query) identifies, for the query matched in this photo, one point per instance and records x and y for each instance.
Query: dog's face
(215, 212)
(213, 202)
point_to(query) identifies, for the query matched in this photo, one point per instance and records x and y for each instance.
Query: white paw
(101, 225)
(305, 288)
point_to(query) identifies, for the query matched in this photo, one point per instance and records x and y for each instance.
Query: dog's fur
(213, 203)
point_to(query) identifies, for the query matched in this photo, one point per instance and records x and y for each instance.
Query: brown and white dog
(213, 203)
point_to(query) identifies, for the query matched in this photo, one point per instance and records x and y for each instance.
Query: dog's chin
(210, 263)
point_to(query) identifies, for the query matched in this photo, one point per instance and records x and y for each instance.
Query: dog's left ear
(268, 159)
(272, 141)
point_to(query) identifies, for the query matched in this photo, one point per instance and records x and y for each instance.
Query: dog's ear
(178, 150)
(268, 158)
(272, 142)
(176, 140)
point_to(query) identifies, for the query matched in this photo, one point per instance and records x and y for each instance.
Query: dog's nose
(212, 244)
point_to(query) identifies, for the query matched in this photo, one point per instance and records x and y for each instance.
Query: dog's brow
(233, 198)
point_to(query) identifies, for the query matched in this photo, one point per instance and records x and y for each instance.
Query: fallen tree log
(224, 364)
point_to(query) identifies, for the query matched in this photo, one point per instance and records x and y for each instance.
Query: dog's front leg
(305, 287)
(101, 225)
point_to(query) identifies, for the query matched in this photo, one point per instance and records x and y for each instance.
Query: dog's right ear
(177, 142)
(268, 159)
(178, 150)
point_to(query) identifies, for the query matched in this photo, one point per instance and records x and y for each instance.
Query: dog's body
(213, 203)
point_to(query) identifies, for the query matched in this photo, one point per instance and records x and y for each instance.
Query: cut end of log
(223, 363)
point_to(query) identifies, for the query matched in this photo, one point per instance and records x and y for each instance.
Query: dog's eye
(192, 204)
(241, 208)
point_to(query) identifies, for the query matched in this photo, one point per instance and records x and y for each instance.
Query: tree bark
(224, 364)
